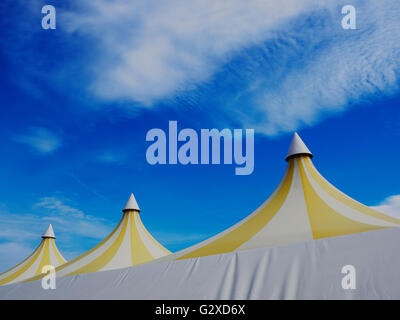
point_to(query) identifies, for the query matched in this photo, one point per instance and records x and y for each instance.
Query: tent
(297, 245)
(305, 206)
(45, 254)
(304, 270)
(129, 244)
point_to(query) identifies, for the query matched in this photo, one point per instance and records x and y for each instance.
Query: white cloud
(151, 50)
(154, 50)
(41, 139)
(57, 206)
(72, 220)
(353, 66)
(65, 218)
(390, 206)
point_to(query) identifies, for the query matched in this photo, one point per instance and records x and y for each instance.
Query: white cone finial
(297, 147)
(49, 233)
(131, 204)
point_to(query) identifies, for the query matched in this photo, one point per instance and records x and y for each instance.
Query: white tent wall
(308, 270)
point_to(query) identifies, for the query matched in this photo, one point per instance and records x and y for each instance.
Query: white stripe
(123, 257)
(154, 250)
(290, 224)
(53, 256)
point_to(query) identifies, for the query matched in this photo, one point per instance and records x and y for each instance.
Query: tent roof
(304, 206)
(131, 204)
(297, 147)
(49, 233)
(45, 254)
(281, 272)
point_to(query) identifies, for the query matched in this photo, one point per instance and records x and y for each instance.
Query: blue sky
(77, 102)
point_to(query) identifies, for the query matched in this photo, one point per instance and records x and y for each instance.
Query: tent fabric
(304, 206)
(131, 204)
(297, 147)
(49, 233)
(45, 254)
(307, 270)
(293, 246)
(129, 244)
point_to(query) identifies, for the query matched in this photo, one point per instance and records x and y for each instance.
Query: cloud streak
(40, 139)
(348, 67)
(154, 49)
(72, 220)
(296, 62)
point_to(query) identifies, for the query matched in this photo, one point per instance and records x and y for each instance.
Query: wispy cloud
(55, 205)
(296, 62)
(152, 50)
(41, 139)
(346, 68)
(71, 219)
(390, 206)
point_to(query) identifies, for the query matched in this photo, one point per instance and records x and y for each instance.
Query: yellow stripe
(63, 266)
(326, 222)
(59, 257)
(19, 272)
(21, 263)
(107, 255)
(235, 238)
(345, 199)
(45, 260)
(91, 250)
(140, 253)
(165, 250)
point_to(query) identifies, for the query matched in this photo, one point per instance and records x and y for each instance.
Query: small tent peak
(131, 204)
(49, 233)
(297, 148)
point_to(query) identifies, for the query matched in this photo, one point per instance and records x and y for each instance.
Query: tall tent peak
(297, 147)
(49, 233)
(131, 204)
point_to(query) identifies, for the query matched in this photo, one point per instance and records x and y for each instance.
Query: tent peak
(49, 233)
(297, 148)
(131, 204)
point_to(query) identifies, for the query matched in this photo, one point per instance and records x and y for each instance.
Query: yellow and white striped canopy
(305, 206)
(45, 254)
(128, 245)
